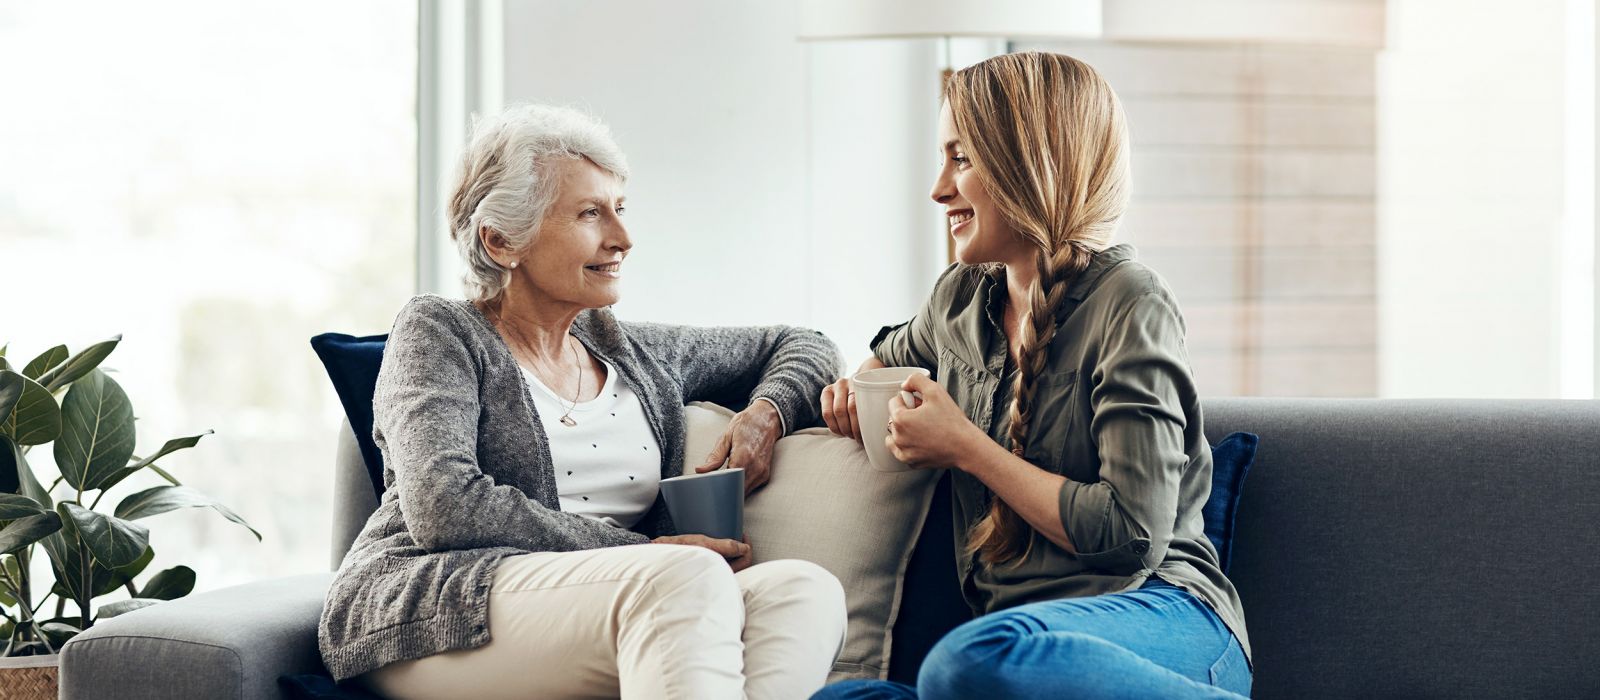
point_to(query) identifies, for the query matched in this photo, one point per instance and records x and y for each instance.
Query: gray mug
(710, 504)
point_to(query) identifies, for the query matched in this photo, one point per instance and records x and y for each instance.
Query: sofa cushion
(352, 363)
(1230, 464)
(1437, 548)
(826, 504)
(232, 644)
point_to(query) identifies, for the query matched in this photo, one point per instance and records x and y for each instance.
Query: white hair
(507, 182)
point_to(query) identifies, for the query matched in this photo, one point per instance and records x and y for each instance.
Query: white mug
(874, 389)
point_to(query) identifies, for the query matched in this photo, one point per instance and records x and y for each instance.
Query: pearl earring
(513, 264)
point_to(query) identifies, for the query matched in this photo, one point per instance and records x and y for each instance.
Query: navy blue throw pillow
(352, 364)
(1230, 464)
(320, 686)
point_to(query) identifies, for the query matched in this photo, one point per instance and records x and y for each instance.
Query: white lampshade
(1354, 23)
(880, 19)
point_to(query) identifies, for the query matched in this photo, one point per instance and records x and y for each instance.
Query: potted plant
(63, 400)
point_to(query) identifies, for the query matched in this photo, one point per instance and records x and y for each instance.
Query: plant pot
(29, 677)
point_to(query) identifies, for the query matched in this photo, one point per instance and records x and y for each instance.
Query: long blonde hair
(1046, 137)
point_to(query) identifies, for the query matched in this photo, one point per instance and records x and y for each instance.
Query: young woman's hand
(839, 404)
(739, 554)
(934, 435)
(747, 445)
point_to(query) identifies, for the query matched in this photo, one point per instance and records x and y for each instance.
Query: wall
(1473, 152)
(1336, 221)
(1254, 195)
(773, 181)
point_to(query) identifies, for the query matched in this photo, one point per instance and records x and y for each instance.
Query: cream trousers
(643, 621)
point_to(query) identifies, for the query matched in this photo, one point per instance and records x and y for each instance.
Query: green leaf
(66, 561)
(80, 364)
(108, 580)
(10, 460)
(14, 506)
(12, 569)
(58, 633)
(74, 583)
(18, 476)
(30, 648)
(26, 531)
(160, 499)
(171, 584)
(103, 580)
(34, 418)
(45, 362)
(111, 610)
(97, 431)
(172, 446)
(114, 542)
(11, 386)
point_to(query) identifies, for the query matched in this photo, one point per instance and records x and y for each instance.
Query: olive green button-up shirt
(1115, 412)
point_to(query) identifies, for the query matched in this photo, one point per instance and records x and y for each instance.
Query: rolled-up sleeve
(1124, 522)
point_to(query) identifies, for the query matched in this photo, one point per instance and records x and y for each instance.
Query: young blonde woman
(1063, 403)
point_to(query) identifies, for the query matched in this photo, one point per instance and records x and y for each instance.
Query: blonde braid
(1047, 140)
(1002, 534)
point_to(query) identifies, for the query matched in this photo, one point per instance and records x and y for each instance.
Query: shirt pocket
(968, 386)
(1055, 423)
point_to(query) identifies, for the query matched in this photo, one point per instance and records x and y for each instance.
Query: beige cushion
(825, 504)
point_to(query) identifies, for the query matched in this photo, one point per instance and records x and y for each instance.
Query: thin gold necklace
(566, 418)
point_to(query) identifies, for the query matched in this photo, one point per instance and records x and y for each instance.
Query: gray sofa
(1384, 548)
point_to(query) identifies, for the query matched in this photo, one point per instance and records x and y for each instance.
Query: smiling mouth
(959, 218)
(608, 267)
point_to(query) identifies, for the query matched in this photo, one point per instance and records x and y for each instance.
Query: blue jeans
(1155, 642)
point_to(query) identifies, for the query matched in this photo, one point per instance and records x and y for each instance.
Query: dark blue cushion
(320, 686)
(352, 364)
(1230, 464)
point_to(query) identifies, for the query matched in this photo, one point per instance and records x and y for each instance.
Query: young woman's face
(980, 232)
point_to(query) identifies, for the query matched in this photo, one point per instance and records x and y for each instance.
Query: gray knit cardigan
(467, 467)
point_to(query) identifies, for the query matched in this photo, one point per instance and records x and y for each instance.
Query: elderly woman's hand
(739, 554)
(748, 445)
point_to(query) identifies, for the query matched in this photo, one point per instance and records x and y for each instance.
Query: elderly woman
(521, 548)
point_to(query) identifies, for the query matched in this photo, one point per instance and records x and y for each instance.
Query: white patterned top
(608, 466)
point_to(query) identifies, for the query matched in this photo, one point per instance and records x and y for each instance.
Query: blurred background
(1351, 198)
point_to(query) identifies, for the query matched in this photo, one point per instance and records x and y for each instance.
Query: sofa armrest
(228, 643)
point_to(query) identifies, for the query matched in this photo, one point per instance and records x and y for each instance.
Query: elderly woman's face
(577, 255)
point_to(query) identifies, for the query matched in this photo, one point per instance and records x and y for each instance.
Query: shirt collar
(1077, 290)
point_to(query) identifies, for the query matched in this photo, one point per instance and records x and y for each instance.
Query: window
(218, 182)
